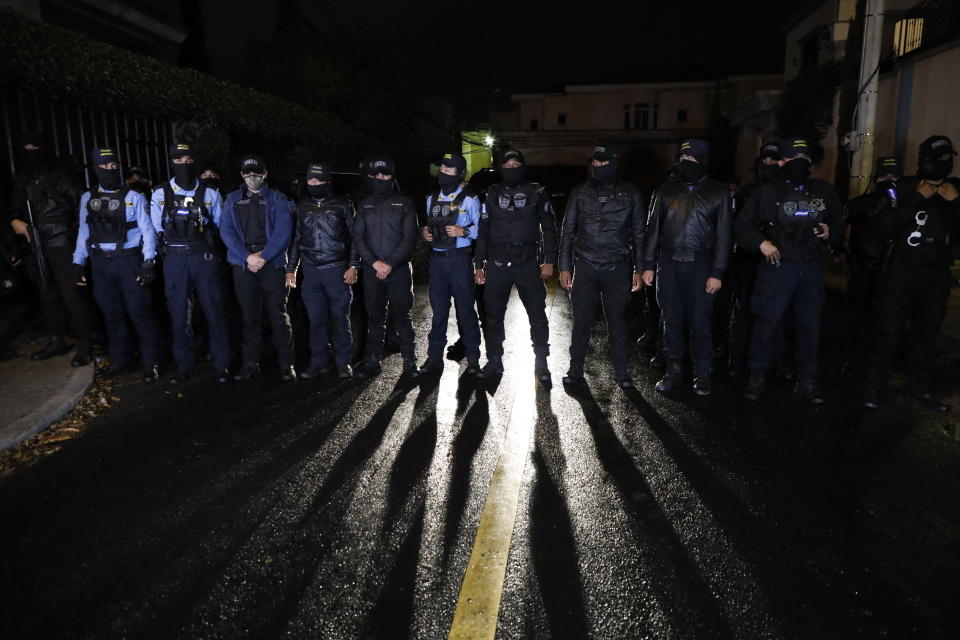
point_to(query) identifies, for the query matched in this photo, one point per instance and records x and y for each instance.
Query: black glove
(148, 273)
(79, 275)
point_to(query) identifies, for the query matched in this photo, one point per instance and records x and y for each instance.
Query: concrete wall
(919, 99)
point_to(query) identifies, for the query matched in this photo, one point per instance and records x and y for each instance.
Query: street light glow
(488, 140)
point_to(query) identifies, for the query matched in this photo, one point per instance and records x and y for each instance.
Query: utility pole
(864, 155)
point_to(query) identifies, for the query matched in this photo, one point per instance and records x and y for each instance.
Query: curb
(77, 384)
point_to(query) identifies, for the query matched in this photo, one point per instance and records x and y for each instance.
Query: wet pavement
(329, 509)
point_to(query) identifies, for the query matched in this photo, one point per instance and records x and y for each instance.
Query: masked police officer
(516, 246)
(789, 221)
(688, 240)
(601, 255)
(256, 227)
(186, 216)
(49, 194)
(743, 266)
(915, 285)
(322, 243)
(866, 252)
(118, 235)
(384, 235)
(453, 214)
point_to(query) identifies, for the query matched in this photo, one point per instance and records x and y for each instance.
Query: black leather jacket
(55, 200)
(603, 225)
(690, 222)
(785, 214)
(322, 234)
(385, 229)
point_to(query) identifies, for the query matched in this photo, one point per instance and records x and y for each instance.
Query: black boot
(541, 369)
(431, 365)
(809, 391)
(574, 375)
(493, 368)
(672, 378)
(84, 354)
(56, 346)
(755, 386)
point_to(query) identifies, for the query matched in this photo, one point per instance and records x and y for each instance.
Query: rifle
(37, 246)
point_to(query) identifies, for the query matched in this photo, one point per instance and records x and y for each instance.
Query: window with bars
(907, 35)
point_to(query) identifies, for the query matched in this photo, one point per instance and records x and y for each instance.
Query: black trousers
(451, 276)
(611, 287)
(687, 309)
(397, 289)
(502, 276)
(62, 303)
(740, 279)
(119, 295)
(327, 299)
(862, 287)
(912, 293)
(791, 285)
(184, 274)
(256, 292)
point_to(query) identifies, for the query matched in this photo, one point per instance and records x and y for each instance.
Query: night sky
(454, 47)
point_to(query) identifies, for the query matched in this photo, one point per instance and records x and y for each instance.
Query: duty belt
(441, 253)
(187, 249)
(115, 253)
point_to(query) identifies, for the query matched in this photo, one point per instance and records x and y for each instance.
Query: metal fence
(73, 130)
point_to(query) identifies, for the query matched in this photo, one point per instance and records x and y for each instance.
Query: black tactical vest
(513, 215)
(926, 239)
(798, 212)
(107, 217)
(185, 218)
(442, 215)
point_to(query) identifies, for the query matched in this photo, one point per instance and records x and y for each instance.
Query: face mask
(254, 182)
(37, 161)
(212, 183)
(692, 172)
(380, 187)
(513, 175)
(319, 191)
(185, 175)
(448, 183)
(930, 169)
(797, 170)
(605, 173)
(768, 172)
(109, 179)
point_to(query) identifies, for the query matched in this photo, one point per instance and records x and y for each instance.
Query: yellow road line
(479, 604)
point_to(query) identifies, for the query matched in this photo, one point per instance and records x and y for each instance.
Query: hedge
(67, 64)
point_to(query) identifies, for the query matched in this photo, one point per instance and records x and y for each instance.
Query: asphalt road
(324, 509)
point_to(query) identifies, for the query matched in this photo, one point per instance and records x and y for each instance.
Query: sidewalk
(34, 395)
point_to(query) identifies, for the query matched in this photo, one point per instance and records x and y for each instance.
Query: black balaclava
(320, 191)
(185, 175)
(514, 176)
(768, 172)
(605, 174)
(380, 187)
(797, 170)
(109, 179)
(212, 183)
(692, 172)
(448, 183)
(934, 169)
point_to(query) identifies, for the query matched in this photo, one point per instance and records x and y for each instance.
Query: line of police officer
(608, 247)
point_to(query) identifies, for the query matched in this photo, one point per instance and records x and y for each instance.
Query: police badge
(504, 202)
(114, 204)
(520, 200)
(96, 203)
